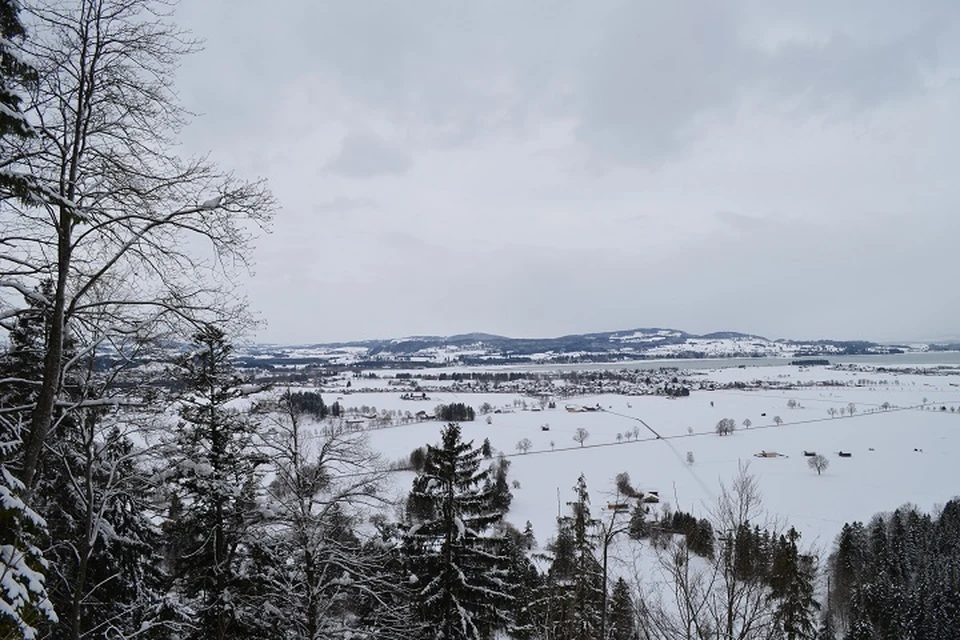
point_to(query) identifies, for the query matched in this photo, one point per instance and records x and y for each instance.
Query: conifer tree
(458, 563)
(826, 631)
(623, 624)
(791, 584)
(216, 481)
(573, 602)
(15, 75)
(525, 579)
(24, 601)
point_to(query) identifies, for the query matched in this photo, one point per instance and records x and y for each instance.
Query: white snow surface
(906, 454)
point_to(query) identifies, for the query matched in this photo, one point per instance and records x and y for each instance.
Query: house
(421, 415)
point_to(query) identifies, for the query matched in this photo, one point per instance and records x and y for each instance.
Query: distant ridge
(607, 346)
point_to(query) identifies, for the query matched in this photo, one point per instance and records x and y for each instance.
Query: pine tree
(15, 75)
(826, 631)
(525, 578)
(23, 596)
(458, 563)
(217, 483)
(791, 584)
(24, 601)
(623, 624)
(572, 606)
(499, 485)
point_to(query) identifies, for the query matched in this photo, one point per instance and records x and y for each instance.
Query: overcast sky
(542, 167)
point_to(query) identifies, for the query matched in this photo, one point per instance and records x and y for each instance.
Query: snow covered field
(904, 454)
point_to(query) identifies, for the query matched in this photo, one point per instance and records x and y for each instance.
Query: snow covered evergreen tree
(571, 608)
(791, 584)
(623, 624)
(900, 576)
(24, 601)
(588, 586)
(215, 478)
(24, 605)
(15, 75)
(457, 559)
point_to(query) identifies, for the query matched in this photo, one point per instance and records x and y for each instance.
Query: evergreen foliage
(24, 601)
(455, 412)
(573, 606)
(15, 76)
(308, 403)
(215, 478)
(898, 577)
(791, 584)
(623, 624)
(460, 565)
(499, 485)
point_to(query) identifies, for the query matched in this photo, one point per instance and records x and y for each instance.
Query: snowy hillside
(486, 349)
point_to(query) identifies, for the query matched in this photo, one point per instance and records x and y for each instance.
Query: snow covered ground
(905, 454)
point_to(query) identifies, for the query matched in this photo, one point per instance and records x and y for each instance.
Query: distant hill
(610, 346)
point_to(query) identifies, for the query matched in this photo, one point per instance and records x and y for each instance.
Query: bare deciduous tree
(135, 240)
(726, 426)
(323, 484)
(581, 435)
(711, 599)
(777, 420)
(818, 463)
(524, 445)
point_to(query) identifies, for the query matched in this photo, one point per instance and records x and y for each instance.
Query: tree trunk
(42, 417)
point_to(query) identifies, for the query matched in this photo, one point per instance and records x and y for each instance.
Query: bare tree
(689, 457)
(524, 445)
(580, 435)
(747, 423)
(136, 240)
(851, 409)
(609, 530)
(712, 599)
(324, 484)
(818, 463)
(792, 404)
(777, 420)
(726, 426)
(832, 411)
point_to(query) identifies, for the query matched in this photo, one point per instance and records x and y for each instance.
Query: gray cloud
(344, 204)
(550, 167)
(367, 155)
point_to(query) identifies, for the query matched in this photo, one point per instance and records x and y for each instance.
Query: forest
(179, 499)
